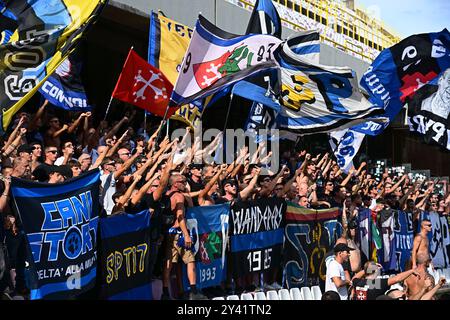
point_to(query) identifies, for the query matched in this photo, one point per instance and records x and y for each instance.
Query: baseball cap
(341, 247)
(25, 148)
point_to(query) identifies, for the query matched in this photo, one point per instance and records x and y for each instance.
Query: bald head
(422, 257)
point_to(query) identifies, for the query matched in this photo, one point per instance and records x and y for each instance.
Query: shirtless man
(355, 257)
(415, 285)
(420, 244)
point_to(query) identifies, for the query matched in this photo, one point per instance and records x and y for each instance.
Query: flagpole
(107, 109)
(145, 123)
(110, 100)
(228, 113)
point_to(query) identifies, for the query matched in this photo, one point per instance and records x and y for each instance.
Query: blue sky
(408, 17)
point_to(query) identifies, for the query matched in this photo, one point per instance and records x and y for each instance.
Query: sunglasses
(428, 225)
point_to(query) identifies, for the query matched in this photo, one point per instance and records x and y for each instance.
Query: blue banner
(60, 221)
(64, 88)
(209, 227)
(404, 238)
(256, 235)
(439, 239)
(124, 256)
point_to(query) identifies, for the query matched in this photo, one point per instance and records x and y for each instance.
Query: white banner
(216, 59)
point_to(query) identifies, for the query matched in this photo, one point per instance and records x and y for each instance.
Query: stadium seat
(260, 296)
(295, 294)
(233, 297)
(218, 298)
(272, 295)
(246, 296)
(316, 292)
(306, 292)
(283, 294)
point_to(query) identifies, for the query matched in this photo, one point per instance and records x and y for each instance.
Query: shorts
(173, 250)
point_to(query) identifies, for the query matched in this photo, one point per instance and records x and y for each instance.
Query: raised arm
(37, 117)
(210, 184)
(116, 145)
(248, 190)
(77, 122)
(124, 198)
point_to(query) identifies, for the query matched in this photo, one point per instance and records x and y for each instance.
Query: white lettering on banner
(259, 260)
(423, 125)
(438, 50)
(372, 126)
(249, 220)
(58, 94)
(207, 274)
(371, 81)
(404, 242)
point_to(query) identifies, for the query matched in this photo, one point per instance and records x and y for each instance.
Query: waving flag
(216, 59)
(399, 72)
(168, 42)
(346, 147)
(319, 98)
(8, 23)
(265, 19)
(144, 86)
(64, 88)
(47, 32)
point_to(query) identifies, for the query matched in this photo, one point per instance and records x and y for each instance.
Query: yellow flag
(47, 32)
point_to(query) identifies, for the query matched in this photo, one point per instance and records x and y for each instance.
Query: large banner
(318, 98)
(60, 221)
(404, 238)
(310, 234)
(398, 73)
(216, 59)
(64, 88)
(124, 254)
(256, 229)
(46, 34)
(439, 238)
(209, 226)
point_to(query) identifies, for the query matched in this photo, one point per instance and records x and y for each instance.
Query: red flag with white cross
(144, 86)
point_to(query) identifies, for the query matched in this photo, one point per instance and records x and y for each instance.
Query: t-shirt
(367, 289)
(109, 188)
(334, 269)
(60, 161)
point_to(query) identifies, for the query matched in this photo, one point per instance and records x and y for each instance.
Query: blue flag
(64, 88)
(60, 221)
(400, 71)
(265, 19)
(209, 227)
(124, 254)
